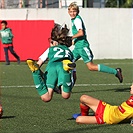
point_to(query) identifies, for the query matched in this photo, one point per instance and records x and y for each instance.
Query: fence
(8, 4)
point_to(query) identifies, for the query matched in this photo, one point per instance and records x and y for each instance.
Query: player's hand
(68, 65)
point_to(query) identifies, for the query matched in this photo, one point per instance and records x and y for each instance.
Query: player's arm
(78, 24)
(43, 58)
(10, 34)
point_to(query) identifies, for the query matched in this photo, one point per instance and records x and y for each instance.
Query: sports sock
(106, 69)
(39, 82)
(84, 109)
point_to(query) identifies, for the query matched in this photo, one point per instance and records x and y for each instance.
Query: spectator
(2, 4)
(7, 41)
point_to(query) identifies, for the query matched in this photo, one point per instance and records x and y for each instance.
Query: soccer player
(82, 46)
(7, 40)
(104, 112)
(58, 70)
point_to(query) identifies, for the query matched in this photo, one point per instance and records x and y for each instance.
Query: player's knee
(66, 96)
(83, 98)
(46, 99)
(91, 68)
(78, 120)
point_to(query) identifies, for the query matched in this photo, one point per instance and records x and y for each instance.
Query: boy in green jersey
(82, 48)
(58, 70)
(6, 37)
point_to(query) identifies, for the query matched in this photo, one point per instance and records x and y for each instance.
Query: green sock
(39, 83)
(106, 69)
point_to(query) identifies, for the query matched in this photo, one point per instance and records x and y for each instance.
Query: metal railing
(8, 4)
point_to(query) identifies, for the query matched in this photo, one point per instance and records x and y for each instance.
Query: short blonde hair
(73, 6)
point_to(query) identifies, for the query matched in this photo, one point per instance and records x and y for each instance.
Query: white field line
(76, 85)
(106, 63)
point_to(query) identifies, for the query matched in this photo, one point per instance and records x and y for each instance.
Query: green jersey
(54, 72)
(80, 42)
(59, 53)
(6, 36)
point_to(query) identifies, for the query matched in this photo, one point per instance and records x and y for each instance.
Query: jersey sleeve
(130, 101)
(44, 56)
(78, 24)
(10, 34)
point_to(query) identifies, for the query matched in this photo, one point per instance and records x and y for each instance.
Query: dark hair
(60, 34)
(5, 22)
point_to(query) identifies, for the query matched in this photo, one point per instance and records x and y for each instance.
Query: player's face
(72, 13)
(3, 26)
(131, 91)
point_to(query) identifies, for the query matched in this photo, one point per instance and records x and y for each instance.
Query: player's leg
(52, 77)
(67, 86)
(96, 105)
(39, 81)
(41, 87)
(73, 77)
(87, 102)
(102, 68)
(6, 56)
(86, 120)
(67, 66)
(47, 97)
(87, 56)
(14, 54)
(64, 80)
(76, 57)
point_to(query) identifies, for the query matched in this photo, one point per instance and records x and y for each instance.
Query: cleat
(74, 116)
(68, 65)
(18, 61)
(7, 63)
(32, 65)
(119, 74)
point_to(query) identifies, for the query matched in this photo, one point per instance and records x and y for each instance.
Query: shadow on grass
(89, 128)
(114, 89)
(7, 117)
(82, 130)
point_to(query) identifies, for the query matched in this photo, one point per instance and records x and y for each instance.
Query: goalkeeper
(58, 70)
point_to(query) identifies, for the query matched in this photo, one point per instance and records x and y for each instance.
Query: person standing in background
(6, 37)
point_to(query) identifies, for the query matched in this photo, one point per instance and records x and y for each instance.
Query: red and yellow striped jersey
(116, 114)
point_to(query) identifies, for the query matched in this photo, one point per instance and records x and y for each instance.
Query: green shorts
(85, 53)
(55, 75)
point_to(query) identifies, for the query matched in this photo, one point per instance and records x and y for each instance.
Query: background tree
(119, 3)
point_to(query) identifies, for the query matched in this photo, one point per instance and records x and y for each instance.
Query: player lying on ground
(58, 70)
(104, 112)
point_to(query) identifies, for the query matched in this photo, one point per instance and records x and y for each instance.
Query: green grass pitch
(24, 112)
